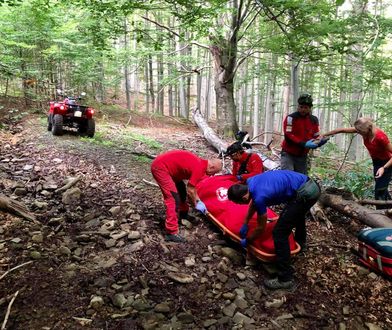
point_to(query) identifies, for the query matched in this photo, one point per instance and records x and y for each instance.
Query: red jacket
(297, 130)
(182, 165)
(378, 147)
(252, 163)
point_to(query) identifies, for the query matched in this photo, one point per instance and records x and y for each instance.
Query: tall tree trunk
(126, 71)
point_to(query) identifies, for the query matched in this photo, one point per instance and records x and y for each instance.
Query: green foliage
(358, 179)
(100, 139)
(128, 138)
(141, 159)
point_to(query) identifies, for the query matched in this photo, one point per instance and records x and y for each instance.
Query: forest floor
(99, 259)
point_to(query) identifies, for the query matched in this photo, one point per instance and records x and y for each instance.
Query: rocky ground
(96, 257)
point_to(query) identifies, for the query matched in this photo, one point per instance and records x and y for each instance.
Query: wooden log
(208, 132)
(352, 209)
(220, 145)
(15, 207)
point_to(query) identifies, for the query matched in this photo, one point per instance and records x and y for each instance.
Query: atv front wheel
(57, 128)
(50, 124)
(90, 131)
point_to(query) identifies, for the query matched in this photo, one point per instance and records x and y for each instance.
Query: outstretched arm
(340, 130)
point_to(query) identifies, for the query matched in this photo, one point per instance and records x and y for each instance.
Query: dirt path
(100, 261)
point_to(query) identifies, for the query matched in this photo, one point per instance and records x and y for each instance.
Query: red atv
(68, 112)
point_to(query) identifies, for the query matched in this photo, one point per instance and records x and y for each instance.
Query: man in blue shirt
(299, 193)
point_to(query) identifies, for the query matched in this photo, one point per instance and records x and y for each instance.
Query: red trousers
(174, 196)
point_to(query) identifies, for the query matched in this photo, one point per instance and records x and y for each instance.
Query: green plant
(358, 179)
(127, 137)
(99, 138)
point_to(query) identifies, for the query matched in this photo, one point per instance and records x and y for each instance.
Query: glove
(201, 207)
(239, 177)
(311, 145)
(244, 230)
(244, 242)
(323, 141)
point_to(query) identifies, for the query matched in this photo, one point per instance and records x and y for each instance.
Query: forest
(81, 218)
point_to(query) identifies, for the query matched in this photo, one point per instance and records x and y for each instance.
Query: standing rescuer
(169, 170)
(301, 131)
(380, 150)
(245, 165)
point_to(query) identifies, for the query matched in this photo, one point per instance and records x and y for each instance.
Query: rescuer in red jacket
(245, 165)
(301, 132)
(169, 170)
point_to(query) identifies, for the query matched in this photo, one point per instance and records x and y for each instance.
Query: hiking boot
(176, 238)
(275, 284)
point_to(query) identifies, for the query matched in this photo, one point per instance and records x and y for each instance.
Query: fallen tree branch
(15, 207)
(12, 269)
(150, 183)
(375, 202)
(7, 314)
(69, 184)
(352, 209)
(318, 214)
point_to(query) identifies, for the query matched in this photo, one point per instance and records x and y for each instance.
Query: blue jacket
(274, 187)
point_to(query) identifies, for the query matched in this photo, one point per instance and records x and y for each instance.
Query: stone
(185, 317)
(180, 277)
(162, 308)
(37, 238)
(229, 310)
(96, 302)
(115, 210)
(119, 300)
(240, 318)
(134, 235)
(35, 255)
(72, 196)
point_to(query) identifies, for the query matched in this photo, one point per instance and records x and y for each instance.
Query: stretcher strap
(379, 262)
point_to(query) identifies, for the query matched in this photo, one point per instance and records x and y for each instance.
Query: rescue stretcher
(229, 217)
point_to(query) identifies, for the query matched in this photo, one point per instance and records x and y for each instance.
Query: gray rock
(232, 254)
(115, 210)
(119, 300)
(134, 235)
(185, 318)
(229, 310)
(72, 196)
(137, 246)
(63, 250)
(240, 318)
(241, 303)
(209, 322)
(162, 308)
(241, 276)
(141, 305)
(96, 302)
(20, 191)
(94, 223)
(40, 205)
(35, 255)
(180, 277)
(110, 243)
(118, 235)
(222, 277)
(190, 261)
(37, 238)
(187, 223)
(373, 326)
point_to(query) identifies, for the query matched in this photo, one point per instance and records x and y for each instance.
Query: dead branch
(352, 209)
(7, 314)
(12, 269)
(318, 214)
(150, 183)
(375, 202)
(69, 184)
(15, 207)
